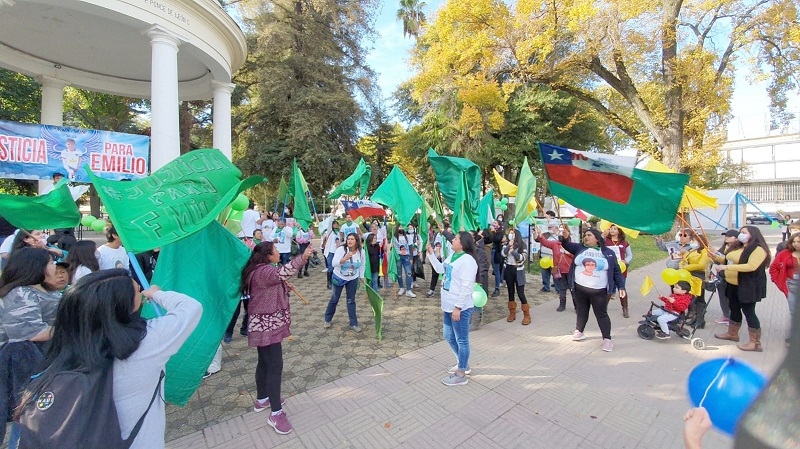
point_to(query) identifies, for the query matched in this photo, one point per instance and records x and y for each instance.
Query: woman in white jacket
(460, 270)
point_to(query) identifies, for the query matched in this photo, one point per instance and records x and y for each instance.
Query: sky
(389, 58)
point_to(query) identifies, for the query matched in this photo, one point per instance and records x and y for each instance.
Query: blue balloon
(732, 386)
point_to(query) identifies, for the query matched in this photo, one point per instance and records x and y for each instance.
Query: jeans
(374, 281)
(350, 287)
(496, 270)
(329, 262)
(457, 335)
(268, 374)
(404, 264)
(663, 319)
(794, 291)
(13, 436)
(285, 258)
(546, 280)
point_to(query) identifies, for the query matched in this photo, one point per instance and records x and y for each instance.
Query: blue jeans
(496, 270)
(13, 436)
(374, 281)
(457, 335)
(546, 280)
(329, 260)
(404, 264)
(350, 287)
(285, 258)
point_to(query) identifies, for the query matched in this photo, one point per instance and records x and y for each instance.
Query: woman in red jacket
(562, 261)
(785, 271)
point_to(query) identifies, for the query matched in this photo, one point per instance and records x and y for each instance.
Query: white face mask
(744, 238)
(511, 236)
(694, 245)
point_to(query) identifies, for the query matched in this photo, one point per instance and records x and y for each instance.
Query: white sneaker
(430, 293)
(401, 292)
(415, 285)
(410, 294)
(578, 336)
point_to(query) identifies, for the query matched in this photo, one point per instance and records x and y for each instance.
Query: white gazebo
(164, 50)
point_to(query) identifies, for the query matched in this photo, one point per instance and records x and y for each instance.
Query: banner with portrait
(30, 151)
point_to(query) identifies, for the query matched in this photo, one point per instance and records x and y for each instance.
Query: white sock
(262, 401)
(275, 413)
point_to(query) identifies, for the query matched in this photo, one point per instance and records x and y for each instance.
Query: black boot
(700, 314)
(562, 305)
(496, 293)
(329, 279)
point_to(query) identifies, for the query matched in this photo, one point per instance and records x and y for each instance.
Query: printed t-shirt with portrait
(111, 258)
(348, 229)
(352, 268)
(284, 237)
(591, 269)
(332, 242)
(448, 270)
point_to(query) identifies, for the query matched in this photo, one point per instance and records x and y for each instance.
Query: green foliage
(412, 16)
(303, 77)
(18, 187)
(20, 97)
(95, 110)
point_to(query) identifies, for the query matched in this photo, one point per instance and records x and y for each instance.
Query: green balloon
(574, 222)
(503, 206)
(504, 201)
(98, 225)
(479, 296)
(88, 220)
(240, 203)
(497, 203)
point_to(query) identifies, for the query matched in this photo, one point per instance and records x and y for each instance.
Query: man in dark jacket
(482, 276)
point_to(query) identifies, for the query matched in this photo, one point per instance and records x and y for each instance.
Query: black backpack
(76, 409)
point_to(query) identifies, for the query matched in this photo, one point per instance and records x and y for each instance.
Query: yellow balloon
(622, 266)
(684, 275)
(546, 262)
(670, 276)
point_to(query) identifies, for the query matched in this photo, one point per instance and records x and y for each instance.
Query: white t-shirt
(331, 243)
(248, 223)
(111, 258)
(80, 272)
(284, 239)
(267, 226)
(458, 282)
(348, 229)
(352, 268)
(8, 243)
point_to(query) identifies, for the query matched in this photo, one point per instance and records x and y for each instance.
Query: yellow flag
(632, 233)
(506, 187)
(647, 285)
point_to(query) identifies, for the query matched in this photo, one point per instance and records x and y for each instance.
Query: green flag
(57, 209)
(298, 186)
(486, 209)
(397, 193)
(437, 208)
(283, 190)
(449, 171)
(357, 182)
(301, 211)
(376, 302)
(463, 216)
(393, 259)
(176, 201)
(214, 285)
(422, 229)
(526, 191)
(367, 269)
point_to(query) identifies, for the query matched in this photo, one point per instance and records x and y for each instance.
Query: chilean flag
(363, 208)
(611, 187)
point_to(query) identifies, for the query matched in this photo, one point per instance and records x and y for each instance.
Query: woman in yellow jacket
(746, 275)
(696, 261)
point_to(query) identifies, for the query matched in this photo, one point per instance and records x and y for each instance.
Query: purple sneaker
(259, 406)
(280, 422)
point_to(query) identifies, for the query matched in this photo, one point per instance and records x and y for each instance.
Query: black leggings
(598, 300)
(738, 309)
(510, 275)
(243, 303)
(268, 374)
(303, 247)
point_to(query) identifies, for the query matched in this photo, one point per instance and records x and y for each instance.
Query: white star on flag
(555, 155)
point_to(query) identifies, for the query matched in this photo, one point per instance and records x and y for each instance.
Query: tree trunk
(94, 202)
(672, 142)
(185, 119)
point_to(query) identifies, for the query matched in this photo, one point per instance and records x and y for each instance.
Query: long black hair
(260, 256)
(468, 244)
(19, 240)
(26, 266)
(757, 239)
(95, 324)
(82, 253)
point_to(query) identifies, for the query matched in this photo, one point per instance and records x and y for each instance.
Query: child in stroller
(676, 303)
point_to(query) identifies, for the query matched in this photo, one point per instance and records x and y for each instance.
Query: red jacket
(681, 302)
(782, 268)
(562, 260)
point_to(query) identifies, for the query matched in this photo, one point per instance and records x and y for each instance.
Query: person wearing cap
(592, 291)
(729, 243)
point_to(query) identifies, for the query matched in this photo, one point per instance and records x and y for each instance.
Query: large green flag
(357, 182)
(526, 191)
(297, 187)
(437, 207)
(176, 201)
(397, 193)
(392, 265)
(486, 209)
(463, 216)
(376, 302)
(283, 190)
(194, 266)
(367, 269)
(301, 211)
(55, 210)
(449, 173)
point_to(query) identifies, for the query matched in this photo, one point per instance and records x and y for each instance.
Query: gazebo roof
(101, 45)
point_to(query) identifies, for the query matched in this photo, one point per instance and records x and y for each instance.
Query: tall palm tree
(410, 13)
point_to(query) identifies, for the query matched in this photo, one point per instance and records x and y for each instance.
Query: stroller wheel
(646, 332)
(698, 343)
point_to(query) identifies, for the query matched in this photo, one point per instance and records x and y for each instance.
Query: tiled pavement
(531, 387)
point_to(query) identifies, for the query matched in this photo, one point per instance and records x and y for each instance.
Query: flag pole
(294, 289)
(312, 205)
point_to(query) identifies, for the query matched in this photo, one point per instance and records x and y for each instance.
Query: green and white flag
(55, 210)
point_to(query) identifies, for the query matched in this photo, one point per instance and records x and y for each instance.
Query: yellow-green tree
(659, 71)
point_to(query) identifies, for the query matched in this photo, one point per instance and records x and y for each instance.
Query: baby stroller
(648, 327)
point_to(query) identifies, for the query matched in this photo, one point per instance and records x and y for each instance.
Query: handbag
(337, 281)
(417, 267)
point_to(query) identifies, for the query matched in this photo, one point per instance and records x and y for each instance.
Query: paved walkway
(531, 387)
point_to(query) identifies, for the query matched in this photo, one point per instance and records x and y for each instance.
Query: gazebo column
(52, 112)
(222, 117)
(165, 142)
